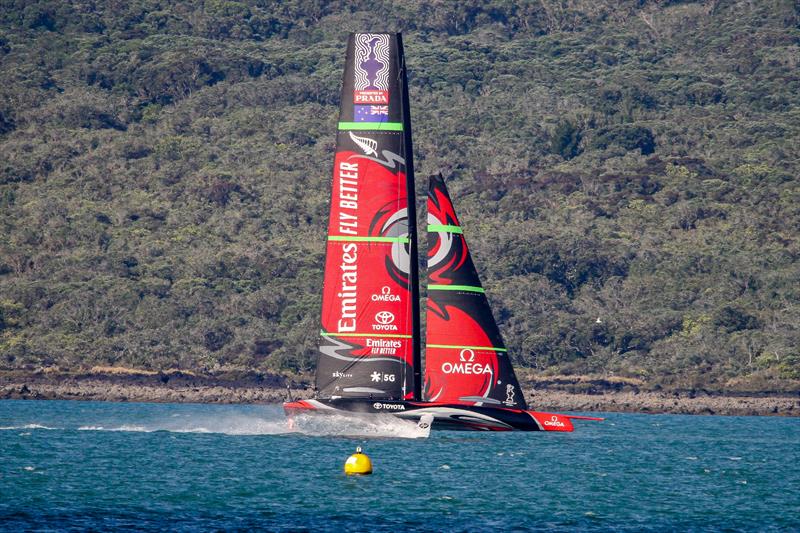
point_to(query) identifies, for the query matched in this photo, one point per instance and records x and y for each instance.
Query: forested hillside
(627, 174)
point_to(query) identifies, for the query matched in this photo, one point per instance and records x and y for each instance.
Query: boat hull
(448, 416)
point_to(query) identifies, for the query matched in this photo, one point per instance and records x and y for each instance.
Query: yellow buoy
(358, 464)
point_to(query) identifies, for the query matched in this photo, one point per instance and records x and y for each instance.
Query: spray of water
(25, 426)
(270, 423)
(267, 421)
(380, 425)
(197, 423)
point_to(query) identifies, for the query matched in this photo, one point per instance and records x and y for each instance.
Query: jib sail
(466, 360)
(370, 311)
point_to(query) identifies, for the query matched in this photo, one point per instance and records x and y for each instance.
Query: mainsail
(369, 345)
(465, 360)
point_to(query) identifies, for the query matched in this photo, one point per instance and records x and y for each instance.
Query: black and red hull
(448, 416)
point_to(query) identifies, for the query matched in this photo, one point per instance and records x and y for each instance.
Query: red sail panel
(466, 360)
(366, 344)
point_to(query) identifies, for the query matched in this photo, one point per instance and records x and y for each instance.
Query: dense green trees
(626, 173)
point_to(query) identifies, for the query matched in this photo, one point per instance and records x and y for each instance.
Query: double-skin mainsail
(369, 345)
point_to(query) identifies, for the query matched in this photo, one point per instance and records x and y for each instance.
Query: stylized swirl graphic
(445, 244)
(397, 226)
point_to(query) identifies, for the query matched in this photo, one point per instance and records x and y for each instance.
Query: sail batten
(467, 288)
(369, 307)
(463, 347)
(385, 126)
(445, 227)
(348, 238)
(376, 335)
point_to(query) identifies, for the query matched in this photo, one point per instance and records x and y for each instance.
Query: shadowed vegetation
(626, 173)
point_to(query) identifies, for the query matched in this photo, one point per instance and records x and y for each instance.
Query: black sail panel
(466, 360)
(370, 304)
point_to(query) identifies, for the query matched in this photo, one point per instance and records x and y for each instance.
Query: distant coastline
(561, 395)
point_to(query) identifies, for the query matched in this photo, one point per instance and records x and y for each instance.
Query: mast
(412, 227)
(369, 339)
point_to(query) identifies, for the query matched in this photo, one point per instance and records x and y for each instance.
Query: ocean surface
(92, 465)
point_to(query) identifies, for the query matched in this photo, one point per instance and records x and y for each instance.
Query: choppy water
(165, 466)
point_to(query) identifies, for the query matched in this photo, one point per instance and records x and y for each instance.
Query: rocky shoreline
(666, 402)
(156, 387)
(272, 389)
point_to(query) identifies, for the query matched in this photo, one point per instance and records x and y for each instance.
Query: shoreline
(186, 388)
(665, 403)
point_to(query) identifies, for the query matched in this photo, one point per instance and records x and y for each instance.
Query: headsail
(466, 360)
(370, 308)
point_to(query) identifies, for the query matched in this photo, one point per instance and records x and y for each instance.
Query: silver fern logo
(369, 146)
(387, 158)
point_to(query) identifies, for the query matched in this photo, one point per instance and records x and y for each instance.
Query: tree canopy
(626, 173)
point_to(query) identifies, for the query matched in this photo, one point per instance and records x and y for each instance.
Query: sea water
(67, 465)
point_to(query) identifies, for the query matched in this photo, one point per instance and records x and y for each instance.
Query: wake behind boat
(370, 342)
